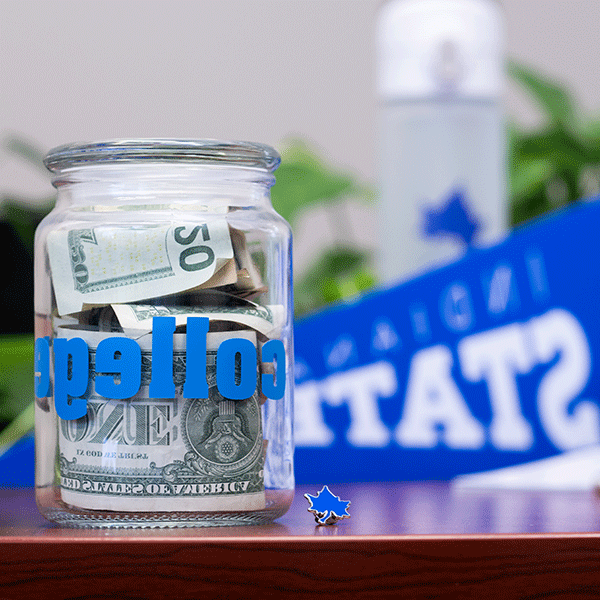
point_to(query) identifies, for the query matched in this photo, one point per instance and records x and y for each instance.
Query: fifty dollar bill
(105, 265)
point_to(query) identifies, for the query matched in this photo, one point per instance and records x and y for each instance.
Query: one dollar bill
(111, 264)
(172, 454)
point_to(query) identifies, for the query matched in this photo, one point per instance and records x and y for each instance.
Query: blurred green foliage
(556, 164)
(16, 375)
(16, 387)
(342, 270)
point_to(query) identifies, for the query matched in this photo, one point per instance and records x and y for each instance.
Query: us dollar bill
(171, 454)
(264, 319)
(104, 265)
(248, 281)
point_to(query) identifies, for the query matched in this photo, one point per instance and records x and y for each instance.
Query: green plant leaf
(590, 133)
(18, 427)
(528, 177)
(552, 97)
(26, 150)
(591, 130)
(554, 143)
(16, 374)
(338, 273)
(529, 207)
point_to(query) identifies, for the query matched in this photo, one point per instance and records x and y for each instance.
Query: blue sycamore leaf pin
(327, 508)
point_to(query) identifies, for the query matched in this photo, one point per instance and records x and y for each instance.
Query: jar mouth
(235, 153)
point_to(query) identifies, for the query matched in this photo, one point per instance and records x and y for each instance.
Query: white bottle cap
(439, 48)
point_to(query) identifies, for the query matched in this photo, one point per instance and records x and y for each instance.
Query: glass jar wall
(164, 351)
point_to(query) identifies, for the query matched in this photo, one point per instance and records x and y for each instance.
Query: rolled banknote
(170, 454)
(249, 281)
(105, 265)
(264, 319)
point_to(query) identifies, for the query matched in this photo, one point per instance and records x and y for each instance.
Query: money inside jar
(162, 454)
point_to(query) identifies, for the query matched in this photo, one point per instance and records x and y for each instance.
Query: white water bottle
(442, 133)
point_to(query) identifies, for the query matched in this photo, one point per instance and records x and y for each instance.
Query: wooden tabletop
(413, 540)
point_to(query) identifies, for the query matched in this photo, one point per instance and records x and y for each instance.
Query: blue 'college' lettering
(126, 369)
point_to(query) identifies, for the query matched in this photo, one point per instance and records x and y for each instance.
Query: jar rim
(245, 154)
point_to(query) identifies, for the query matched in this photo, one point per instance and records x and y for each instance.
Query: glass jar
(164, 352)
